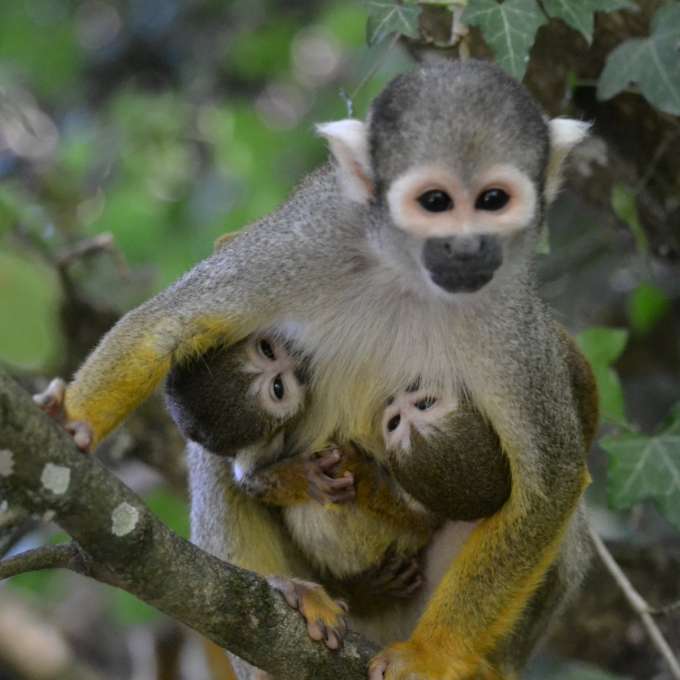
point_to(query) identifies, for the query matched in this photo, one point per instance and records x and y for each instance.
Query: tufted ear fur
(565, 134)
(348, 143)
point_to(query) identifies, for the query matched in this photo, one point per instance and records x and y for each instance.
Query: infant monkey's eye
(435, 201)
(267, 350)
(393, 423)
(492, 199)
(278, 390)
(426, 403)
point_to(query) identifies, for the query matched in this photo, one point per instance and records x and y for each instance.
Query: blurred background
(134, 133)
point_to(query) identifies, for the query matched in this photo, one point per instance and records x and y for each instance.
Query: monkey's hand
(329, 479)
(325, 617)
(397, 576)
(408, 661)
(51, 401)
(317, 476)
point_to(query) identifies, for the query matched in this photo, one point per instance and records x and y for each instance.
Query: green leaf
(646, 307)
(602, 347)
(624, 204)
(580, 15)
(646, 468)
(390, 16)
(509, 29)
(28, 312)
(653, 63)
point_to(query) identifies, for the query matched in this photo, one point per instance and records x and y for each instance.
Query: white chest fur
(368, 341)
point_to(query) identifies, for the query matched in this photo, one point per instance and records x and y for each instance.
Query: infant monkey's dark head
(232, 398)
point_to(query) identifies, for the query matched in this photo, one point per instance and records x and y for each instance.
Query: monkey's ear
(348, 141)
(565, 134)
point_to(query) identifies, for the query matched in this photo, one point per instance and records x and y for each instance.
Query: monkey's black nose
(462, 264)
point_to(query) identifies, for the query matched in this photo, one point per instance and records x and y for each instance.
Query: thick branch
(126, 546)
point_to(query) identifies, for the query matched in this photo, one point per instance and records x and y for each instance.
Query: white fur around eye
(464, 217)
(406, 212)
(265, 370)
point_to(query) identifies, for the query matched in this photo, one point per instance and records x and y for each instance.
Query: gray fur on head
(491, 116)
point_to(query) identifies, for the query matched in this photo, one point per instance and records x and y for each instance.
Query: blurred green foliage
(158, 127)
(602, 347)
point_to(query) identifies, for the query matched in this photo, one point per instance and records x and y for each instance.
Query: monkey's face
(456, 166)
(277, 387)
(464, 180)
(461, 227)
(234, 398)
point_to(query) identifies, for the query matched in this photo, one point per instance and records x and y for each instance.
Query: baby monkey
(244, 402)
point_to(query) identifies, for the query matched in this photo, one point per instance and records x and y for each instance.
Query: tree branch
(48, 557)
(638, 603)
(124, 545)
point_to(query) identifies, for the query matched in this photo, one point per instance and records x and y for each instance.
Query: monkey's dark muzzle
(462, 264)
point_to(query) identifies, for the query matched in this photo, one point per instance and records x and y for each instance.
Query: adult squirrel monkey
(409, 257)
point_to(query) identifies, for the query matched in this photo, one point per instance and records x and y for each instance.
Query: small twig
(47, 557)
(638, 603)
(665, 609)
(660, 152)
(91, 246)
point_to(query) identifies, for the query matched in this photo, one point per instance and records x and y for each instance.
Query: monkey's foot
(396, 575)
(325, 617)
(51, 401)
(327, 483)
(415, 661)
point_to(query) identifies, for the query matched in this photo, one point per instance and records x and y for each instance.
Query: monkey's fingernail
(332, 640)
(316, 630)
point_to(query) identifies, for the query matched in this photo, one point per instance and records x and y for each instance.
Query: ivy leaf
(509, 29)
(646, 468)
(653, 63)
(580, 15)
(602, 347)
(390, 16)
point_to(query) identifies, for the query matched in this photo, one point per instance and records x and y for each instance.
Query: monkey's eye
(267, 350)
(425, 404)
(393, 423)
(492, 199)
(278, 390)
(435, 201)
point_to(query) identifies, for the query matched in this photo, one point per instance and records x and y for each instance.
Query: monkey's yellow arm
(210, 304)
(491, 588)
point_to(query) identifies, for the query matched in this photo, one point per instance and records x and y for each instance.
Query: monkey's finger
(405, 590)
(339, 497)
(332, 640)
(377, 669)
(287, 588)
(328, 460)
(410, 570)
(51, 400)
(316, 630)
(81, 433)
(339, 484)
